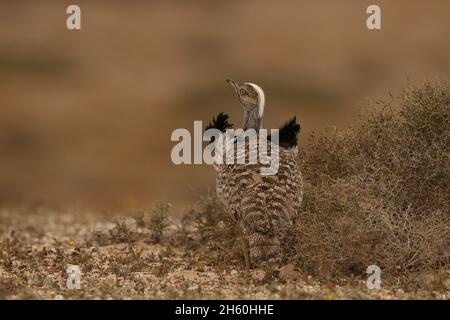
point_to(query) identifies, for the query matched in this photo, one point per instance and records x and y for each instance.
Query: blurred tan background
(86, 116)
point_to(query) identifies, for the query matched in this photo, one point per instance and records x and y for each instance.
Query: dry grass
(379, 193)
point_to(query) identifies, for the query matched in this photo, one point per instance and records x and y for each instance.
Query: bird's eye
(242, 91)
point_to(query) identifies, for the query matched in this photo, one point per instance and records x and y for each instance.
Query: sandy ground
(37, 247)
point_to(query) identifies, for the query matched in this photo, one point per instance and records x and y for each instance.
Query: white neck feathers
(261, 99)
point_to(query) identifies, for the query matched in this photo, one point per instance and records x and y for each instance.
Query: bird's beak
(231, 83)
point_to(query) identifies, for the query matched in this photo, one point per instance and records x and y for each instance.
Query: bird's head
(251, 97)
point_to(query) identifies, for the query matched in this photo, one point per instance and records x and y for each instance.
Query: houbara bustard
(264, 206)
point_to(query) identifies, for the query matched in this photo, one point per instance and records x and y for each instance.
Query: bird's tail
(262, 248)
(263, 236)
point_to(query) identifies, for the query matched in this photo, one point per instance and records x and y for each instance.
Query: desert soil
(37, 246)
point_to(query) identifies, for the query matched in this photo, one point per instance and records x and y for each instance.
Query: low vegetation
(378, 193)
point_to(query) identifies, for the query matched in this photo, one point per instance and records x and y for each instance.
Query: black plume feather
(288, 134)
(220, 123)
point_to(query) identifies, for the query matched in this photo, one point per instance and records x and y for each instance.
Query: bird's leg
(245, 251)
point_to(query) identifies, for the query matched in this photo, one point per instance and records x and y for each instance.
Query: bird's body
(263, 205)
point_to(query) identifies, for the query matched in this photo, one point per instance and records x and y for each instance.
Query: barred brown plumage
(264, 206)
